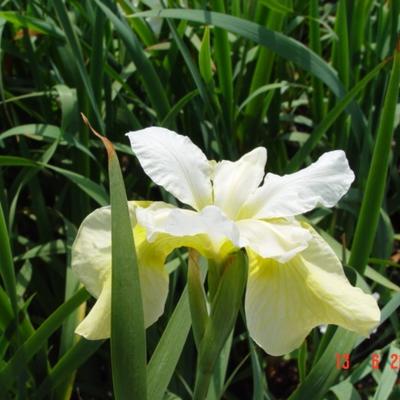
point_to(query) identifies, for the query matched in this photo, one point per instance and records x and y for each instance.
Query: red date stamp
(343, 361)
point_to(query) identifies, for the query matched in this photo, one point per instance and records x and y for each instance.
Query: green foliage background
(299, 77)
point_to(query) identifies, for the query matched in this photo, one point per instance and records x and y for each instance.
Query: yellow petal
(96, 325)
(208, 231)
(91, 262)
(285, 301)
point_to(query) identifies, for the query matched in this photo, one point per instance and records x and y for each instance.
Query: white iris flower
(295, 280)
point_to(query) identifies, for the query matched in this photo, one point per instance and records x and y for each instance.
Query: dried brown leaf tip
(107, 144)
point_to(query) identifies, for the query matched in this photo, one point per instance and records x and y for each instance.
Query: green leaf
(167, 353)
(205, 57)
(43, 250)
(7, 272)
(375, 188)
(345, 391)
(177, 108)
(315, 137)
(67, 365)
(39, 25)
(315, 44)
(224, 309)
(151, 81)
(197, 298)
(38, 339)
(389, 375)
(223, 62)
(286, 47)
(78, 56)
(324, 372)
(128, 339)
(68, 337)
(278, 6)
(94, 190)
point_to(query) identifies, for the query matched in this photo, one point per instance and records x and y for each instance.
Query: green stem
(203, 380)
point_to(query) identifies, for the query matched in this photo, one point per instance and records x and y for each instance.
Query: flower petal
(207, 231)
(285, 301)
(96, 325)
(174, 162)
(91, 250)
(278, 239)
(322, 183)
(91, 262)
(235, 181)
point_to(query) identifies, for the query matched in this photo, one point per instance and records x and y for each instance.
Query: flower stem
(202, 384)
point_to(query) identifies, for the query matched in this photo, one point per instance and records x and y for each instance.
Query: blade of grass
(94, 190)
(262, 74)
(26, 21)
(224, 309)
(224, 68)
(205, 60)
(324, 373)
(376, 182)
(7, 271)
(167, 353)
(68, 337)
(286, 47)
(341, 62)
(74, 43)
(151, 81)
(38, 339)
(389, 375)
(315, 45)
(66, 366)
(177, 108)
(299, 158)
(128, 339)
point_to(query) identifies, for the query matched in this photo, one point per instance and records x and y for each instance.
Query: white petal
(96, 324)
(91, 262)
(235, 181)
(285, 301)
(277, 239)
(91, 250)
(207, 231)
(174, 162)
(322, 183)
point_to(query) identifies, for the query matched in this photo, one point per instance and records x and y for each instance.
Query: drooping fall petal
(174, 162)
(322, 183)
(91, 262)
(285, 301)
(97, 323)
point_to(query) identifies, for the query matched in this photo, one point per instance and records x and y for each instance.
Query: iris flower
(295, 281)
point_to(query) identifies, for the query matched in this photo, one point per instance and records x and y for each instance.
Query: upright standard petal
(285, 301)
(207, 231)
(278, 239)
(91, 262)
(174, 162)
(322, 183)
(233, 182)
